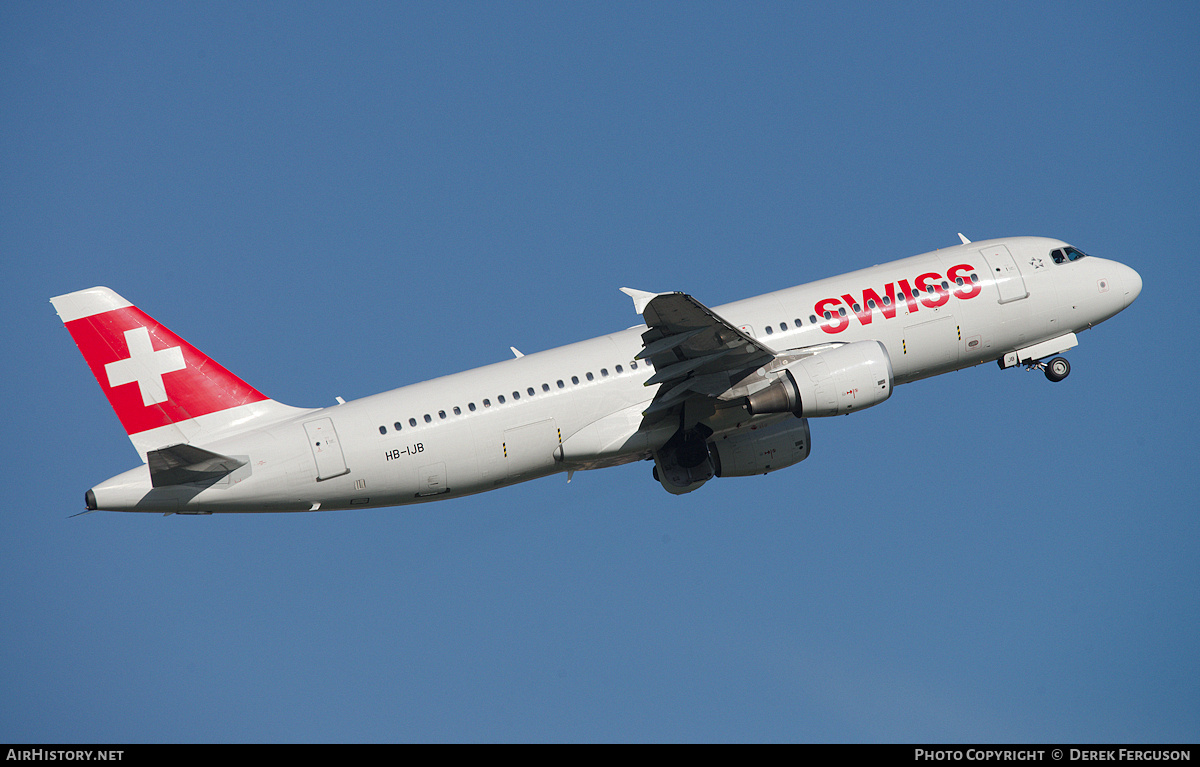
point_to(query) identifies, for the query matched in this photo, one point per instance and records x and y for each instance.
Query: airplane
(703, 393)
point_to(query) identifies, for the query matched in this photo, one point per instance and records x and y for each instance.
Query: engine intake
(684, 463)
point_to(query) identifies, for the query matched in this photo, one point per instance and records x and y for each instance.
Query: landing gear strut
(1056, 369)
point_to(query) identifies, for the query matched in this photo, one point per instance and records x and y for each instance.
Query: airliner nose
(1131, 283)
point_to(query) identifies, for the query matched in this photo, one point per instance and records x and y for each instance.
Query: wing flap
(666, 344)
(681, 369)
(696, 353)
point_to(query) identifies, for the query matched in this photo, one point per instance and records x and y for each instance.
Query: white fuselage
(579, 406)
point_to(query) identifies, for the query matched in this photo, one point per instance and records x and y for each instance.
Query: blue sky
(338, 199)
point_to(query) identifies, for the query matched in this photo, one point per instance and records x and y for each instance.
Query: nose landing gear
(1056, 369)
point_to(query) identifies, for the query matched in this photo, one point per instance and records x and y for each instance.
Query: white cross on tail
(145, 366)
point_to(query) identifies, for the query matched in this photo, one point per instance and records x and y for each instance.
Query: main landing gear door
(326, 449)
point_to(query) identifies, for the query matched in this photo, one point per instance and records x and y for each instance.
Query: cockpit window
(1063, 255)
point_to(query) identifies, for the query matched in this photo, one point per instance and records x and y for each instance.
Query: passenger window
(428, 418)
(397, 425)
(783, 326)
(633, 365)
(442, 414)
(457, 410)
(412, 421)
(590, 377)
(770, 330)
(620, 370)
(545, 387)
(487, 403)
(575, 380)
(471, 406)
(383, 430)
(604, 372)
(516, 395)
(813, 318)
(797, 321)
(560, 383)
(500, 400)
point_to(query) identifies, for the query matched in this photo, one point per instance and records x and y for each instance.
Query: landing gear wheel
(1057, 369)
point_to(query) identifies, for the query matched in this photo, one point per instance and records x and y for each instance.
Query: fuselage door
(1005, 273)
(326, 449)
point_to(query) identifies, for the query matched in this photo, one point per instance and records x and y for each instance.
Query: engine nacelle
(761, 450)
(685, 462)
(834, 382)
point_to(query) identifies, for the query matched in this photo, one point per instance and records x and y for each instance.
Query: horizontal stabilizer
(180, 464)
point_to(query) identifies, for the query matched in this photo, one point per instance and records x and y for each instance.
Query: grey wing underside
(696, 354)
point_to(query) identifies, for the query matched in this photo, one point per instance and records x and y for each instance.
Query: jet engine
(761, 450)
(684, 463)
(834, 382)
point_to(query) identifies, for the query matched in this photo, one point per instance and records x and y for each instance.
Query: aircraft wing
(697, 355)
